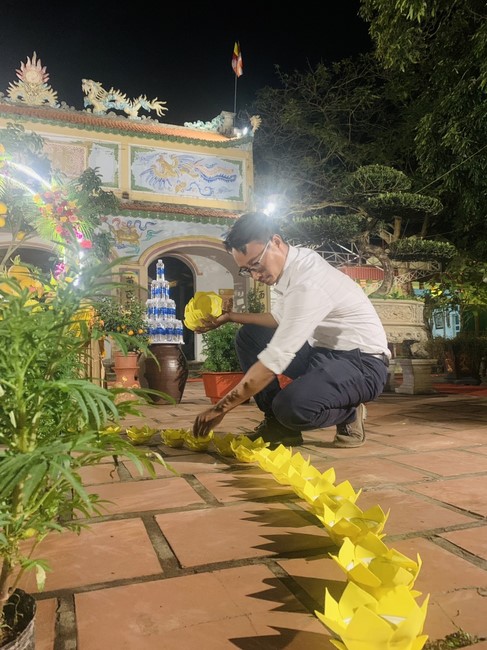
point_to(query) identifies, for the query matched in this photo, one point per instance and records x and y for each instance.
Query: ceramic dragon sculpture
(103, 100)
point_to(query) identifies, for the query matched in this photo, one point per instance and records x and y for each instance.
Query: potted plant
(52, 423)
(221, 368)
(124, 322)
(53, 419)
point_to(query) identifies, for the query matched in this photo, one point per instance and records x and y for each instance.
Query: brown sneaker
(353, 433)
(271, 431)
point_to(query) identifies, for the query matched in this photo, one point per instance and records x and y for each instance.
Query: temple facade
(180, 187)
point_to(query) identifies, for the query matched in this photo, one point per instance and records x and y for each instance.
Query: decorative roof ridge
(144, 127)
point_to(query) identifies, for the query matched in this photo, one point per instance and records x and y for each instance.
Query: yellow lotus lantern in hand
(201, 306)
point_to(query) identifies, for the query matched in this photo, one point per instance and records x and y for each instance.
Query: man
(322, 332)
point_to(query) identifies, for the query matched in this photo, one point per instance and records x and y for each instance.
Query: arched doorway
(43, 259)
(181, 290)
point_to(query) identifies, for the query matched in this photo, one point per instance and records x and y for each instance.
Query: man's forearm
(245, 318)
(254, 380)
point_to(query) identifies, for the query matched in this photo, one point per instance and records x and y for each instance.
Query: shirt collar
(292, 254)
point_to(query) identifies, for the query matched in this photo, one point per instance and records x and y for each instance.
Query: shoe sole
(349, 443)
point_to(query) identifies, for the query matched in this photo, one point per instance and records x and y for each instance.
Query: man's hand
(206, 421)
(211, 323)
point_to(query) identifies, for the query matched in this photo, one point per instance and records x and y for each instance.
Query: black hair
(251, 226)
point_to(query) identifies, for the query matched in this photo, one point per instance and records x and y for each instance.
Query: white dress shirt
(318, 303)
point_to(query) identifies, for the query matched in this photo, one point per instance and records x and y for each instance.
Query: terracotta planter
(126, 369)
(20, 613)
(218, 384)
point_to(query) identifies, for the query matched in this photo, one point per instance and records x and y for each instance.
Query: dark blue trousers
(327, 386)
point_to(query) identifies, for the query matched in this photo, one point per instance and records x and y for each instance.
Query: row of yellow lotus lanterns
(378, 608)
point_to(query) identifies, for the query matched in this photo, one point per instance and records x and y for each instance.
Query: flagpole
(235, 97)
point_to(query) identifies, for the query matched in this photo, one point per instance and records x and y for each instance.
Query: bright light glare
(270, 208)
(14, 181)
(30, 172)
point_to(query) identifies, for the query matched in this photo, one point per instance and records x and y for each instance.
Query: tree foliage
(318, 125)
(436, 51)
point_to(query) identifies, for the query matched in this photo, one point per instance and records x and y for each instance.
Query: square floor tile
(473, 540)
(240, 531)
(408, 513)
(106, 551)
(207, 611)
(467, 493)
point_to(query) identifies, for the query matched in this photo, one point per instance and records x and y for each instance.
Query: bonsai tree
(124, 322)
(373, 207)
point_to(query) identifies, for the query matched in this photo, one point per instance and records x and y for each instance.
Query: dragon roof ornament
(102, 101)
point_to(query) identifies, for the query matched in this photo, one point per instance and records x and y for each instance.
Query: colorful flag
(237, 63)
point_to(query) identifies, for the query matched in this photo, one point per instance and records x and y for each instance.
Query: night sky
(179, 53)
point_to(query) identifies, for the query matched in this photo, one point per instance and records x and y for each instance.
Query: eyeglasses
(246, 271)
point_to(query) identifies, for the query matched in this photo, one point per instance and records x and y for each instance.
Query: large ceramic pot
(19, 619)
(167, 373)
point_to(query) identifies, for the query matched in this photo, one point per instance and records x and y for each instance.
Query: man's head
(257, 246)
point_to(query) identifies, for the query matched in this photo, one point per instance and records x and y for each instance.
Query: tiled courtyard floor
(222, 556)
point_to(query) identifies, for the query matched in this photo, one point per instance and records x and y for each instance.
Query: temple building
(180, 187)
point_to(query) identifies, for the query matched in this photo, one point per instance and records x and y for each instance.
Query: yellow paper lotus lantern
(198, 444)
(223, 445)
(111, 430)
(362, 622)
(350, 521)
(140, 435)
(273, 460)
(322, 491)
(174, 437)
(246, 449)
(376, 568)
(201, 306)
